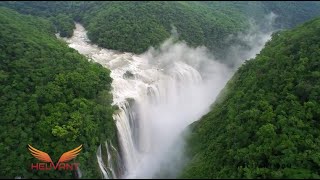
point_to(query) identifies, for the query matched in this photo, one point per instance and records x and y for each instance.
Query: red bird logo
(44, 157)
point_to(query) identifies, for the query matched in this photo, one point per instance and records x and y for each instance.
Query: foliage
(50, 97)
(64, 25)
(266, 122)
(289, 13)
(60, 14)
(54, 99)
(135, 26)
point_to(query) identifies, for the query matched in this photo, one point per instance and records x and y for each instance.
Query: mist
(167, 89)
(170, 117)
(184, 100)
(249, 43)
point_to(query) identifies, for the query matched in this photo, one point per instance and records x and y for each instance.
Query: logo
(60, 165)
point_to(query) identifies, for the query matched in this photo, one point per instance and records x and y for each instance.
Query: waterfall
(102, 166)
(111, 168)
(126, 141)
(158, 95)
(150, 97)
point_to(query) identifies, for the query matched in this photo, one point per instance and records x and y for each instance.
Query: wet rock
(128, 75)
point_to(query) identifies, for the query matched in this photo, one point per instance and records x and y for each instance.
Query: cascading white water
(110, 160)
(102, 166)
(108, 172)
(159, 94)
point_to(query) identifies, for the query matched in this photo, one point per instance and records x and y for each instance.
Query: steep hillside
(50, 97)
(290, 13)
(266, 122)
(135, 26)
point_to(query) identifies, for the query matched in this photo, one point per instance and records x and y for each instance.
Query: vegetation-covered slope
(50, 97)
(135, 26)
(290, 13)
(266, 123)
(61, 14)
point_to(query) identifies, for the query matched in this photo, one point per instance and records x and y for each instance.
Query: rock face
(128, 75)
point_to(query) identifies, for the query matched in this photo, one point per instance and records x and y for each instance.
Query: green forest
(265, 123)
(50, 97)
(135, 26)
